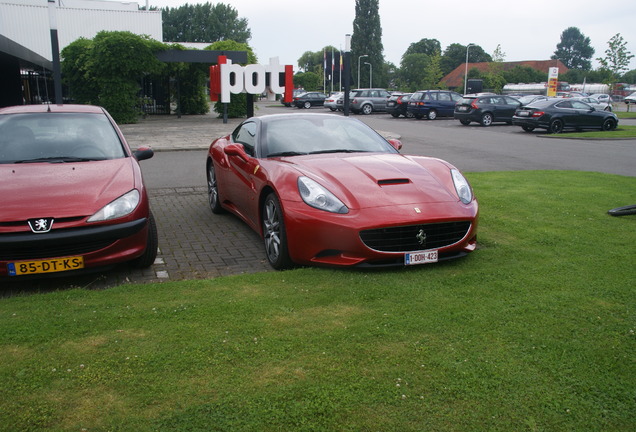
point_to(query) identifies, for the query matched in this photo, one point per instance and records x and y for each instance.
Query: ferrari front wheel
(274, 235)
(213, 191)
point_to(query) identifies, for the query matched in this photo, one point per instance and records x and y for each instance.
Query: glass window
(444, 96)
(246, 135)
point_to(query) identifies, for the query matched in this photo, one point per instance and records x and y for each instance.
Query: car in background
(309, 99)
(433, 103)
(602, 97)
(73, 196)
(328, 190)
(332, 101)
(603, 106)
(556, 115)
(296, 92)
(366, 101)
(397, 104)
(630, 99)
(528, 99)
(486, 109)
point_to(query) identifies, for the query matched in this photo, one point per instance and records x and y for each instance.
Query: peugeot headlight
(462, 187)
(122, 206)
(318, 197)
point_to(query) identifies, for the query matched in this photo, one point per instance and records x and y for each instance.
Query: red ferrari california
(73, 196)
(324, 189)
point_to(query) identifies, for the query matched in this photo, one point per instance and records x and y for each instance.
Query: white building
(25, 33)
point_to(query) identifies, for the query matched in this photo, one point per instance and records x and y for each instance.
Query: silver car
(366, 101)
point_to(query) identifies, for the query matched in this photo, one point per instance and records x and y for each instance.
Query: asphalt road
(195, 244)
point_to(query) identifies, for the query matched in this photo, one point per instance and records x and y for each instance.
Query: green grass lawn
(622, 131)
(534, 331)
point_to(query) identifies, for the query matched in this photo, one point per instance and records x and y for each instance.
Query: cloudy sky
(528, 30)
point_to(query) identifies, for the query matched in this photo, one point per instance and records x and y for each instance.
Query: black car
(296, 92)
(397, 104)
(555, 115)
(486, 109)
(309, 99)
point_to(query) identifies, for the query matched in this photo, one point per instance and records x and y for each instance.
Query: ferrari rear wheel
(274, 234)
(213, 191)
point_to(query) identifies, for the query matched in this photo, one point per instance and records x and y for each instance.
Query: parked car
(630, 99)
(433, 103)
(332, 101)
(486, 109)
(602, 97)
(324, 189)
(604, 106)
(397, 104)
(309, 99)
(73, 197)
(556, 115)
(528, 99)
(366, 101)
(296, 92)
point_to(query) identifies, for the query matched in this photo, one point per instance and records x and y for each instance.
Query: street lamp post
(347, 73)
(466, 71)
(359, 57)
(370, 74)
(55, 50)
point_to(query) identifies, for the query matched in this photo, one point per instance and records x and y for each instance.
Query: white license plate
(462, 108)
(523, 113)
(424, 257)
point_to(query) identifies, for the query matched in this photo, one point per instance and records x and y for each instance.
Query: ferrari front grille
(415, 237)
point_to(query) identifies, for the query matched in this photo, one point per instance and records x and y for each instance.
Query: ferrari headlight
(122, 206)
(462, 187)
(318, 197)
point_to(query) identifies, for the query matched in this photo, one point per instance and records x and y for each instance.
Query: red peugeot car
(324, 189)
(73, 197)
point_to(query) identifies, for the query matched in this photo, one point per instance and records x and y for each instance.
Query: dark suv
(486, 109)
(433, 103)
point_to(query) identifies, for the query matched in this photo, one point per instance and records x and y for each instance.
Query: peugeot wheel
(152, 242)
(274, 235)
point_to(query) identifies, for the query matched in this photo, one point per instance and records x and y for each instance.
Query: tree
(204, 23)
(574, 50)
(455, 55)
(617, 57)
(430, 47)
(308, 80)
(367, 40)
(494, 78)
(433, 72)
(413, 71)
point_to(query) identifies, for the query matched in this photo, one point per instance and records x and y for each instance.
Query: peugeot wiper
(58, 159)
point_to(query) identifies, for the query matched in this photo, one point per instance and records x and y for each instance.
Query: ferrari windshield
(311, 134)
(57, 137)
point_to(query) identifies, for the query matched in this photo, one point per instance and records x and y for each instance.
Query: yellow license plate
(45, 266)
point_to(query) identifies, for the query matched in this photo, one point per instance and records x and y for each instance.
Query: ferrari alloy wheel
(274, 234)
(213, 191)
(556, 126)
(486, 119)
(609, 125)
(432, 115)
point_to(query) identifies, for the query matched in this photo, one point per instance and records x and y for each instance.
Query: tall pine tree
(367, 40)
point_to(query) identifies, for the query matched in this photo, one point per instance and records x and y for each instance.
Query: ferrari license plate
(19, 268)
(425, 257)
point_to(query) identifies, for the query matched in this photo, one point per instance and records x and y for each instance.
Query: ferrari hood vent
(389, 182)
